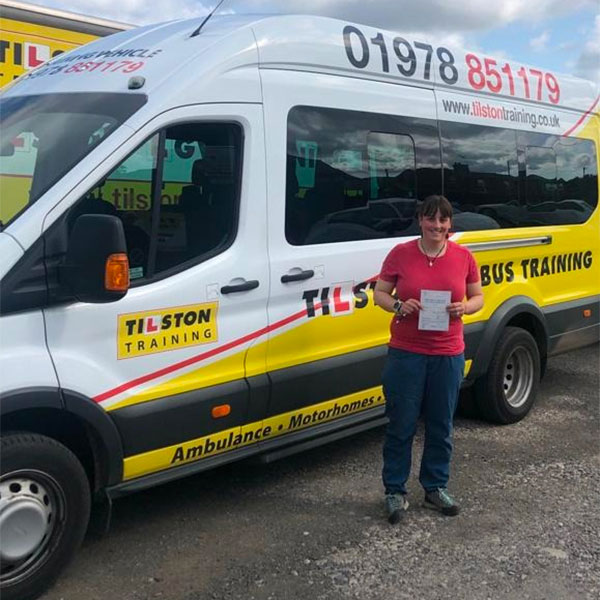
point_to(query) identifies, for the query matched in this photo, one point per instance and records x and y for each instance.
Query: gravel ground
(312, 526)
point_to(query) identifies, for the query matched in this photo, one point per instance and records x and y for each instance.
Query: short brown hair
(432, 204)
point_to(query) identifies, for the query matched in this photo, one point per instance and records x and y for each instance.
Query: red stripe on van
(200, 357)
(582, 118)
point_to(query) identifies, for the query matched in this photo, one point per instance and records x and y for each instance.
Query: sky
(558, 35)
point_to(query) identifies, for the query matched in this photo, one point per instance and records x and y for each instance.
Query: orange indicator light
(116, 273)
(220, 411)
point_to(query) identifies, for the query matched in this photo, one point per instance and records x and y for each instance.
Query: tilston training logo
(166, 329)
(337, 299)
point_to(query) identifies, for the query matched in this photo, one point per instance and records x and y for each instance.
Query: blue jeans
(415, 384)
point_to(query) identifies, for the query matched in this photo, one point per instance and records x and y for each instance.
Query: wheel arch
(72, 419)
(518, 311)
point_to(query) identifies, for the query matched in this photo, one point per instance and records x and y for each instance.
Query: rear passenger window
(561, 179)
(353, 175)
(392, 166)
(505, 178)
(177, 196)
(481, 176)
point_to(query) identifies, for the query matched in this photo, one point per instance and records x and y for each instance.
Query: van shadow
(207, 492)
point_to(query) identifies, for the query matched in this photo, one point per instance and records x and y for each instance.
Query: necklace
(431, 259)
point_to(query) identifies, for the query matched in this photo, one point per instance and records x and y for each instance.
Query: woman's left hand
(456, 309)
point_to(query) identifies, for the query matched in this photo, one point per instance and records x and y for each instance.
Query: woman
(425, 362)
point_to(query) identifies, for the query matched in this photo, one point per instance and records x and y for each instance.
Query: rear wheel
(44, 511)
(508, 390)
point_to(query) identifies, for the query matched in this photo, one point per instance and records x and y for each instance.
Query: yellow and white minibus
(194, 215)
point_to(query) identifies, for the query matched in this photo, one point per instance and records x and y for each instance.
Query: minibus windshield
(45, 136)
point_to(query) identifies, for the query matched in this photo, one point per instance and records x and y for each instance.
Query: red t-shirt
(408, 269)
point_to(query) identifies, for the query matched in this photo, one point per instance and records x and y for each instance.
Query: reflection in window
(540, 166)
(43, 137)
(16, 174)
(554, 181)
(353, 176)
(196, 214)
(481, 175)
(127, 193)
(561, 179)
(391, 166)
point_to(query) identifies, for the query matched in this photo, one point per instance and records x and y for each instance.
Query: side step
(273, 455)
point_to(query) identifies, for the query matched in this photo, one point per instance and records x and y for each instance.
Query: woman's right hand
(409, 307)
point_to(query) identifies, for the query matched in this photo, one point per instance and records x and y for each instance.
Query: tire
(508, 390)
(45, 492)
(467, 405)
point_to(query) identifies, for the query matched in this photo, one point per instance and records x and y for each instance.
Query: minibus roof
(168, 57)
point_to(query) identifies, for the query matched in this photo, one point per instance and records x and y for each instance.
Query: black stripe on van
(573, 324)
(175, 419)
(310, 383)
(317, 381)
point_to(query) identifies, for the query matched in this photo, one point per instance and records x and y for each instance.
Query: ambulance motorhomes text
(193, 222)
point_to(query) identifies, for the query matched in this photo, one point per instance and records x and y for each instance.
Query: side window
(353, 176)
(481, 176)
(503, 178)
(177, 196)
(127, 193)
(392, 168)
(561, 179)
(540, 175)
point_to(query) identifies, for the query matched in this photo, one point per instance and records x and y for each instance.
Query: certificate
(434, 316)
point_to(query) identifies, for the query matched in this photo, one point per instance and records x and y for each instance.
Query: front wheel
(44, 511)
(508, 390)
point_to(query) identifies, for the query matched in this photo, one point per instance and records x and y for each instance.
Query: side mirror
(96, 267)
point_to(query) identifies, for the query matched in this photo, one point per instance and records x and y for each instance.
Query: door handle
(240, 287)
(298, 276)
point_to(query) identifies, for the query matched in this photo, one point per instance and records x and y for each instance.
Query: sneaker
(395, 506)
(441, 501)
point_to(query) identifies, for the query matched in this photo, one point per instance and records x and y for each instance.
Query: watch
(397, 306)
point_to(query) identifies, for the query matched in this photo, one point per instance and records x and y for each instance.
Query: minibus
(194, 215)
